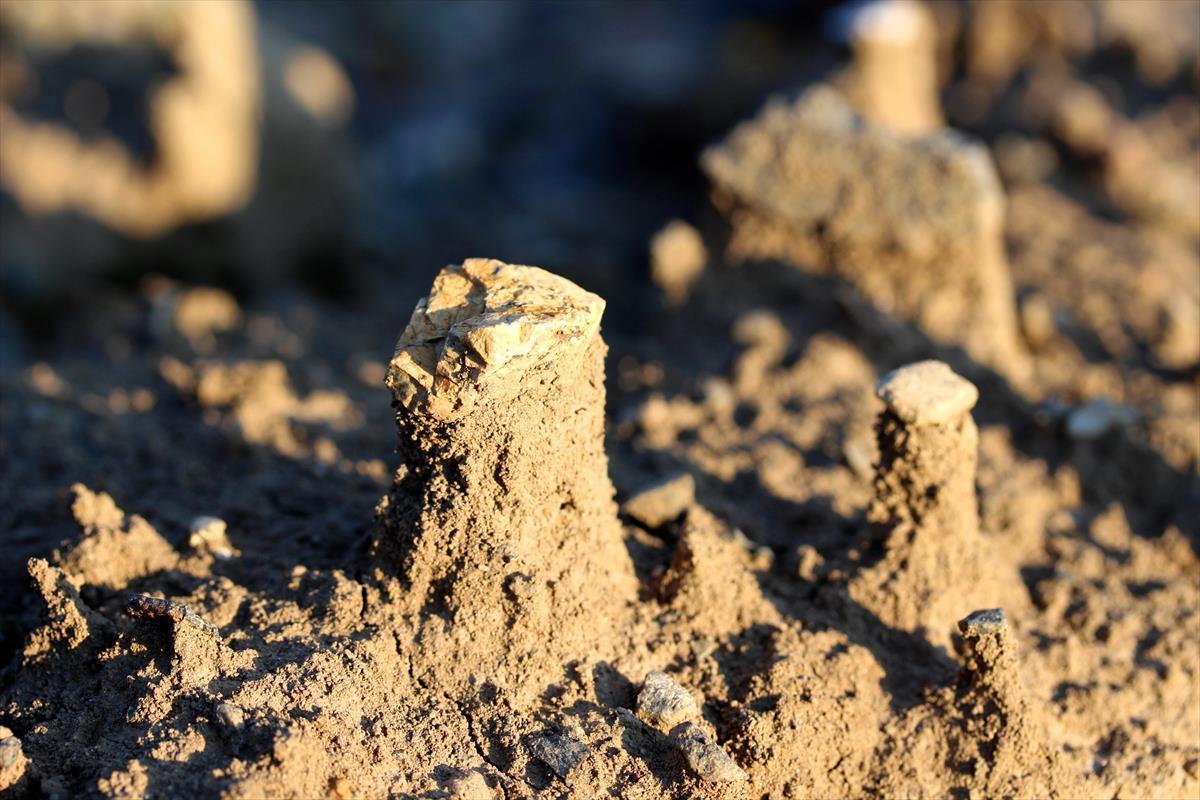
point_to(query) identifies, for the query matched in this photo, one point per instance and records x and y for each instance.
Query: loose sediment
(924, 514)
(501, 523)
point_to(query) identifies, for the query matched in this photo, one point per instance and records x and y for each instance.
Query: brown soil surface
(891, 487)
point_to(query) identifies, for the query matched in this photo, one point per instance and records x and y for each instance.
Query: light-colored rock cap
(927, 393)
(486, 322)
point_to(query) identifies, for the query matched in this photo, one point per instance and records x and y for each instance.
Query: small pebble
(208, 536)
(231, 716)
(704, 756)
(561, 753)
(927, 393)
(1097, 417)
(663, 703)
(858, 458)
(13, 765)
(703, 647)
(983, 623)
(659, 503)
(10, 753)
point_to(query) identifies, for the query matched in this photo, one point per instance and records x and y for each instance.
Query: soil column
(924, 513)
(502, 517)
(895, 77)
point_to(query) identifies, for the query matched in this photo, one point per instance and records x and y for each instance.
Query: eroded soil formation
(881, 479)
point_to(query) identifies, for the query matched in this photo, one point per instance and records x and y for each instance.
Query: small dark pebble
(561, 753)
(981, 623)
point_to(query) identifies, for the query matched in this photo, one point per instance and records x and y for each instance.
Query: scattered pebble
(703, 647)
(983, 623)
(560, 752)
(762, 329)
(719, 397)
(231, 716)
(663, 703)
(661, 502)
(927, 393)
(677, 257)
(1097, 417)
(208, 536)
(203, 311)
(318, 84)
(1022, 159)
(705, 756)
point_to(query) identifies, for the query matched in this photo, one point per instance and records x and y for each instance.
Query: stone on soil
(486, 322)
(705, 756)
(560, 752)
(663, 703)
(927, 393)
(659, 503)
